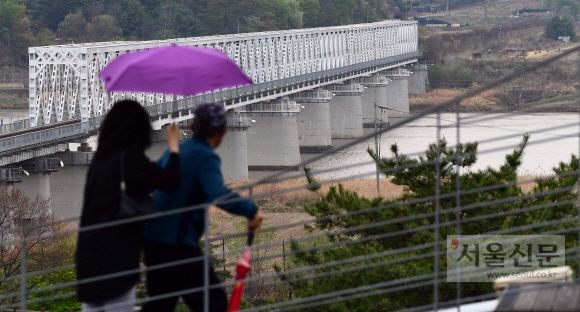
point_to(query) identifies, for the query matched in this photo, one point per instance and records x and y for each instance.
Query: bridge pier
(418, 80)
(84, 147)
(37, 183)
(374, 94)
(398, 93)
(314, 134)
(346, 111)
(233, 150)
(273, 139)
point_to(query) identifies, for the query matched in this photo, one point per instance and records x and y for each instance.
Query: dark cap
(209, 117)
(211, 114)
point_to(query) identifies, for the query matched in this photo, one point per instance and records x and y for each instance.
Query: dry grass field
(486, 101)
(283, 203)
(498, 13)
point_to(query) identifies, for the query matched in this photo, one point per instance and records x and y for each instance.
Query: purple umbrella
(173, 69)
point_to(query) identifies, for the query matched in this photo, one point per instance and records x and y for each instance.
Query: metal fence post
(578, 183)
(251, 273)
(436, 215)
(377, 148)
(23, 254)
(284, 264)
(458, 156)
(206, 262)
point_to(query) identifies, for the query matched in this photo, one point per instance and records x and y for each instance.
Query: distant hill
(25, 23)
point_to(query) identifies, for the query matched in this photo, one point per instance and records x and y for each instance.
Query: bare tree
(25, 226)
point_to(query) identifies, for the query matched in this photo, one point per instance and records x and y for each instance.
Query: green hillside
(25, 23)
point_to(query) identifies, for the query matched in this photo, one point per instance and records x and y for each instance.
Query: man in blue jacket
(176, 237)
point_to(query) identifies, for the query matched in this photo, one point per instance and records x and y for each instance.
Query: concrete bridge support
(37, 182)
(398, 93)
(418, 80)
(273, 139)
(314, 134)
(346, 111)
(374, 94)
(84, 147)
(233, 150)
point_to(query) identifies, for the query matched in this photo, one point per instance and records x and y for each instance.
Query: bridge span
(64, 85)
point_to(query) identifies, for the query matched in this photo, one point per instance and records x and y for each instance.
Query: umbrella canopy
(173, 69)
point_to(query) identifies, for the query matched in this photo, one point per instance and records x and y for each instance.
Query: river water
(553, 137)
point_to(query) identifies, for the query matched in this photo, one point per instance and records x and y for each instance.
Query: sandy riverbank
(490, 101)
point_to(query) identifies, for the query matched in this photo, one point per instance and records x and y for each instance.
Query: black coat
(116, 249)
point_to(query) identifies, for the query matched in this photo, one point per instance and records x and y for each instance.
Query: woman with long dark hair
(123, 138)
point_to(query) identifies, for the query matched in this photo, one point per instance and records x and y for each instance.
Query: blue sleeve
(213, 185)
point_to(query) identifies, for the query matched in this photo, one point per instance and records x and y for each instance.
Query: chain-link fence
(384, 251)
(13, 81)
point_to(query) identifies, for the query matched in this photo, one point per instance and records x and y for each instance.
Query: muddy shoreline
(568, 107)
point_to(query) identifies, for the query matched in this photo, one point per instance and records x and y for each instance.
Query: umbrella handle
(250, 236)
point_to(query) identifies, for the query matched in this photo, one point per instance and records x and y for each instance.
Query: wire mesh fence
(13, 80)
(344, 243)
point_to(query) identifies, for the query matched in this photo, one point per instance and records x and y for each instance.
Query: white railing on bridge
(312, 95)
(284, 107)
(349, 88)
(64, 83)
(376, 81)
(169, 107)
(238, 122)
(396, 73)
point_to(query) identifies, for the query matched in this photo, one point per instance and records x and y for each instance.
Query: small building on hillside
(425, 8)
(564, 38)
(515, 52)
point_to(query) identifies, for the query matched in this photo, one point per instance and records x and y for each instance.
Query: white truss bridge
(68, 100)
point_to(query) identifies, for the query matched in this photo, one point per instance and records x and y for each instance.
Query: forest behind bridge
(25, 23)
